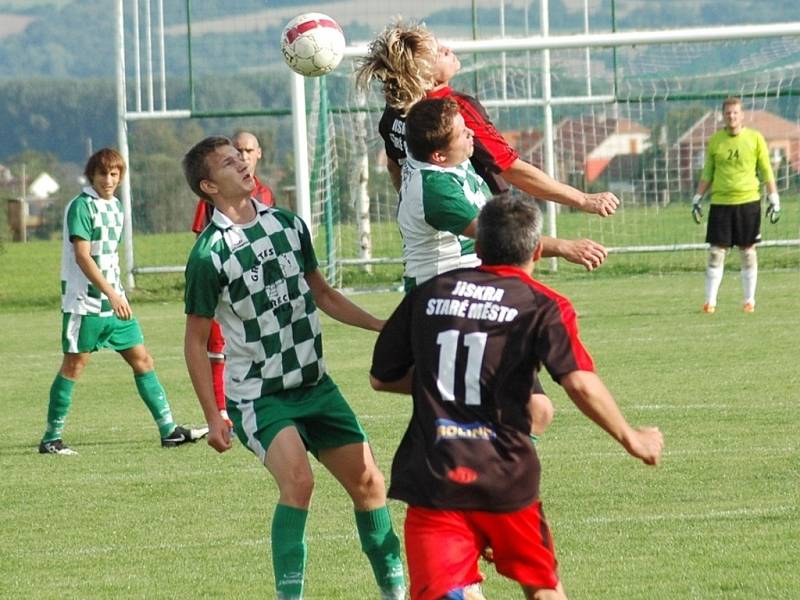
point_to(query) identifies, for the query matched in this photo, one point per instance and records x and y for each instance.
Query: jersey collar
(90, 191)
(222, 222)
(440, 93)
(507, 271)
(413, 163)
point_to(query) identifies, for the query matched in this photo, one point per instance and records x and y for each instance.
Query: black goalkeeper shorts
(734, 224)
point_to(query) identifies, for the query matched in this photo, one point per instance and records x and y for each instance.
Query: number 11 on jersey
(476, 346)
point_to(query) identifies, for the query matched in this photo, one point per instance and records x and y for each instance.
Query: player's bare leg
(73, 364)
(542, 413)
(354, 467)
(287, 461)
(139, 359)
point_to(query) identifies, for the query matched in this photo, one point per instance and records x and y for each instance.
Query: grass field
(718, 519)
(629, 227)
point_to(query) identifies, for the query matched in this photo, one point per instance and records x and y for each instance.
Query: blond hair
(402, 58)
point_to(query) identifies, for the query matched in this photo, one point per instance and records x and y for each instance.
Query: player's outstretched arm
(587, 253)
(195, 351)
(539, 184)
(591, 396)
(337, 306)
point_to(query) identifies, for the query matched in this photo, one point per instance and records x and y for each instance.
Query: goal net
(634, 121)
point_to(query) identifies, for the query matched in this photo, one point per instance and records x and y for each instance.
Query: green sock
(57, 409)
(154, 396)
(289, 550)
(534, 438)
(382, 547)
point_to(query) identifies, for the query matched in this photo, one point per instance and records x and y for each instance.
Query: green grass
(631, 226)
(718, 519)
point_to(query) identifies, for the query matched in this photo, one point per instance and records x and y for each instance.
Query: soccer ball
(312, 44)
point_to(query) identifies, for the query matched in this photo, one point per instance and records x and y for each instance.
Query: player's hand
(697, 209)
(120, 306)
(774, 208)
(219, 434)
(604, 204)
(646, 444)
(586, 252)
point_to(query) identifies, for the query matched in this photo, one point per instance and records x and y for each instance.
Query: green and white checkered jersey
(251, 279)
(99, 222)
(436, 205)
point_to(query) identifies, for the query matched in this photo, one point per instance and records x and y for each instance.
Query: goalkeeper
(734, 156)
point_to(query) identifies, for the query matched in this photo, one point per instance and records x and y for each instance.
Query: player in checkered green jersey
(255, 271)
(96, 313)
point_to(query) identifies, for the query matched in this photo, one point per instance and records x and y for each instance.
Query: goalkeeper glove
(697, 210)
(774, 208)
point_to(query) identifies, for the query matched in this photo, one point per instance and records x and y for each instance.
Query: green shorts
(90, 333)
(320, 414)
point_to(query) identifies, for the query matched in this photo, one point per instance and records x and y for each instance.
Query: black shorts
(734, 224)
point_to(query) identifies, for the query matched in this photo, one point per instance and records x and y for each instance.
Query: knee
(716, 257)
(143, 363)
(73, 364)
(749, 258)
(542, 413)
(296, 488)
(369, 489)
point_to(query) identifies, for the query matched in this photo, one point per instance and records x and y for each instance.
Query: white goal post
(150, 99)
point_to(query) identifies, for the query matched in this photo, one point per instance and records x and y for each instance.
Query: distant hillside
(57, 57)
(46, 37)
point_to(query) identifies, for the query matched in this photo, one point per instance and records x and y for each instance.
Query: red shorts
(443, 547)
(216, 343)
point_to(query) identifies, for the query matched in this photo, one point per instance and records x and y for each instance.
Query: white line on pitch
(706, 516)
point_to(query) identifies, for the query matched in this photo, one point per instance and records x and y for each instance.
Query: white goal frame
(146, 86)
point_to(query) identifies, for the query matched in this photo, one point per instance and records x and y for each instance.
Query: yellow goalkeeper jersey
(733, 165)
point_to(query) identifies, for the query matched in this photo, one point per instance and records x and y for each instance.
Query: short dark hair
(104, 160)
(509, 228)
(195, 165)
(429, 126)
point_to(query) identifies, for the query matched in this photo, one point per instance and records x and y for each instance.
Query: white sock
(749, 275)
(714, 271)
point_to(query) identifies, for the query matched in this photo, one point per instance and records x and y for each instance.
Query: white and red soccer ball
(312, 44)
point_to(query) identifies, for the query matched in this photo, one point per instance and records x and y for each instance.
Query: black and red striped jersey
(475, 337)
(492, 154)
